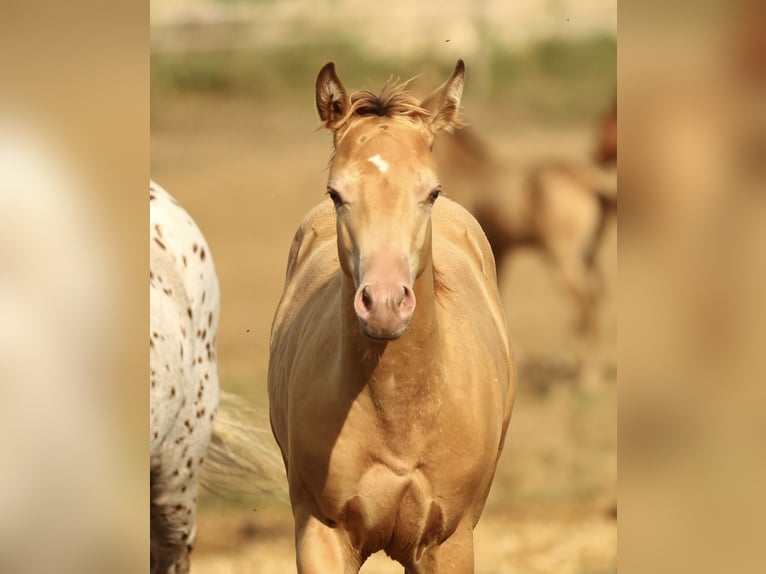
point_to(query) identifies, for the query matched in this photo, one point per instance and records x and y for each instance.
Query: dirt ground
(247, 172)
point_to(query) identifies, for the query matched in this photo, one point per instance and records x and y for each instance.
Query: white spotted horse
(192, 421)
(185, 307)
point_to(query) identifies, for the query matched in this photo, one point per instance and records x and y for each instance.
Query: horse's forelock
(393, 100)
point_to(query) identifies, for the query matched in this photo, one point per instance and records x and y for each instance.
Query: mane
(393, 100)
(441, 289)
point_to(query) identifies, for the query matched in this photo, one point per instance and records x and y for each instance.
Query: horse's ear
(331, 97)
(444, 102)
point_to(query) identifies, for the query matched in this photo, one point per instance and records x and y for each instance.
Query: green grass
(559, 79)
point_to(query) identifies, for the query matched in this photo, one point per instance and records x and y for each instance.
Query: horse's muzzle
(384, 310)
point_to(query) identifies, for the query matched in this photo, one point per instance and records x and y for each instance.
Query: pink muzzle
(384, 309)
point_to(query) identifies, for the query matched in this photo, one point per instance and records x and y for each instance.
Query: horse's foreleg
(321, 548)
(174, 488)
(172, 534)
(579, 283)
(453, 556)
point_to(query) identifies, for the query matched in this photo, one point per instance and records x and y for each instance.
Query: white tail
(243, 457)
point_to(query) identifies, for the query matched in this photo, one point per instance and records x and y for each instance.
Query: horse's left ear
(331, 97)
(444, 102)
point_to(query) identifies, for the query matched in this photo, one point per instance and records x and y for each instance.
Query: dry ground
(247, 172)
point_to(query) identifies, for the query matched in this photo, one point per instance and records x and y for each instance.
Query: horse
(606, 138)
(184, 310)
(558, 207)
(191, 420)
(391, 377)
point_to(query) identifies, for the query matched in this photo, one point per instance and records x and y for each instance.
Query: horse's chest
(394, 486)
(397, 509)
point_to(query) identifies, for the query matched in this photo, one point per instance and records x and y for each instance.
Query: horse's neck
(397, 366)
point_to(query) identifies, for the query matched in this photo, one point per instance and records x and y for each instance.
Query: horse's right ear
(331, 97)
(444, 102)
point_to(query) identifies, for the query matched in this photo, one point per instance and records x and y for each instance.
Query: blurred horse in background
(558, 207)
(746, 67)
(606, 138)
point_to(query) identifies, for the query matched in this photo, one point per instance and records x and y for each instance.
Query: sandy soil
(247, 173)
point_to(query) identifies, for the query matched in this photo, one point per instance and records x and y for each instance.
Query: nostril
(404, 295)
(366, 298)
(407, 304)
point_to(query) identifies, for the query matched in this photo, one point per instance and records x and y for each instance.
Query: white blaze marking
(379, 162)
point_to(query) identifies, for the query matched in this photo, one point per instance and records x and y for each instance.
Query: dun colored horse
(557, 207)
(606, 146)
(391, 378)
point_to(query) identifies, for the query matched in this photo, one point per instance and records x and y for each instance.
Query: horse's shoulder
(317, 228)
(457, 232)
(471, 302)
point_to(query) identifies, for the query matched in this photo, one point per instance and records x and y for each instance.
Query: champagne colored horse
(391, 379)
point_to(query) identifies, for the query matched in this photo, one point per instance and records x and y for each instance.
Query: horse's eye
(434, 195)
(335, 196)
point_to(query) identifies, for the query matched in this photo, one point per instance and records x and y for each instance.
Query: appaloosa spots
(184, 305)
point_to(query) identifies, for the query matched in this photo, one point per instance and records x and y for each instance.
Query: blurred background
(74, 146)
(234, 138)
